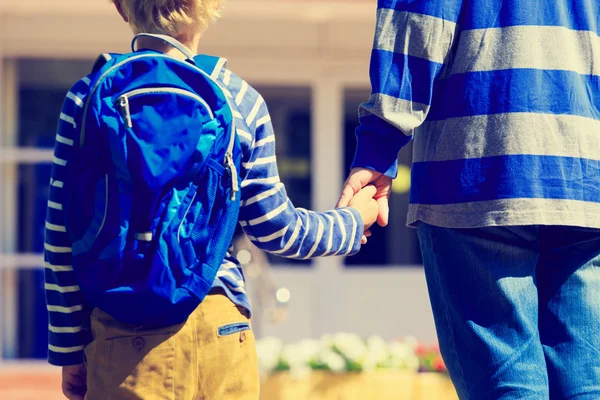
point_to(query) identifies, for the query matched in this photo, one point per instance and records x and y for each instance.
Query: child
(212, 355)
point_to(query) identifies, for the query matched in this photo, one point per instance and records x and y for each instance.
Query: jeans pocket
(231, 329)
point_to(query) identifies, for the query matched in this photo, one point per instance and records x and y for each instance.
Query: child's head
(169, 17)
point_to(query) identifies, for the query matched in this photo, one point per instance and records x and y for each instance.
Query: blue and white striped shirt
(267, 216)
(504, 96)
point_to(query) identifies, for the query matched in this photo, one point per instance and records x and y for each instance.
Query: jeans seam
(446, 312)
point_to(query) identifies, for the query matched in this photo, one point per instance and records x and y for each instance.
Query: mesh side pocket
(207, 225)
(212, 232)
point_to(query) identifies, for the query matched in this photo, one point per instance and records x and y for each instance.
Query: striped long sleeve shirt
(267, 216)
(501, 97)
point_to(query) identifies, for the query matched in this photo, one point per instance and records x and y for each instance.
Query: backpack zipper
(233, 174)
(228, 161)
(229, 164)
(124, 106)
(123, 100)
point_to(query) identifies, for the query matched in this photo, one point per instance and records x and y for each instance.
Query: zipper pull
(235, 188)
(124, 105)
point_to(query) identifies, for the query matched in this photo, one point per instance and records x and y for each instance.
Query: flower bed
(430, 359)
(346, 352)
(346, 367)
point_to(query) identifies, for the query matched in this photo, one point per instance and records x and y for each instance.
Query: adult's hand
(74, 384)
(361, 177)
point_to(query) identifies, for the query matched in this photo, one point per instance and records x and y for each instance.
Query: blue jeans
(517, 309)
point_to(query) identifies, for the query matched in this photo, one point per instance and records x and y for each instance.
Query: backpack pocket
(205, 232)
(201, 222)
(168, 132)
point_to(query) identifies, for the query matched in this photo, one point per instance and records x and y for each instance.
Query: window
(42, 86)
(396, 244)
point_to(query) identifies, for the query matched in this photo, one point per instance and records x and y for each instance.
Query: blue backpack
(152, 186)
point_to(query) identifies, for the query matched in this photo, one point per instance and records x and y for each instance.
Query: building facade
(310, 61)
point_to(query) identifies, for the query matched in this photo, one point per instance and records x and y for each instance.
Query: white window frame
(8, 201)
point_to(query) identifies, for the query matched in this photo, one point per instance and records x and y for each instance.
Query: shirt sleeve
(65, 303)
(267, 215)
(413, 40)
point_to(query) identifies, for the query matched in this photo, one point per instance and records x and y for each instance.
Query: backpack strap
(210, 64)
(101, 61)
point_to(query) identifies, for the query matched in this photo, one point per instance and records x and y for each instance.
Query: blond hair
(170, 17)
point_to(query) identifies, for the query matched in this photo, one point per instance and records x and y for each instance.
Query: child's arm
(269, 217)
(64, 300)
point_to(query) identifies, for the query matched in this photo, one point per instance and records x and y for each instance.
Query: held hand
(366, 205)
(74, 384)
(358, 179)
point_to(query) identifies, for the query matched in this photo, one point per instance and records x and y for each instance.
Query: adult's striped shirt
(502, 98)
(267, 216)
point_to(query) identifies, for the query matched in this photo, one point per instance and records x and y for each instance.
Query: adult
(505, 182)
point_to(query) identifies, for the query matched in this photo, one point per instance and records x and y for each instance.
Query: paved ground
(32, 381)
(39, 381)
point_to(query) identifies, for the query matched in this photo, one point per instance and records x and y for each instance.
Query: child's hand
(74, 381)
(364, 203)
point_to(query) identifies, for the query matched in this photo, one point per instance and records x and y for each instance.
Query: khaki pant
(212, 356)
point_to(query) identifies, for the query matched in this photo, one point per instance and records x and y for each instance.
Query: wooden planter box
(359, 386)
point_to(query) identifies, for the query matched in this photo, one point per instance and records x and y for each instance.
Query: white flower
(269, 351)
(333, 361)
(300, 371)
(327, 341)
(370, 363)
(350, 346)
(403, 356)
(299, 355)
(400, 350)
(333, 353)
(377, 353)
(412, 363)
(294, 355)
(311, 348)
